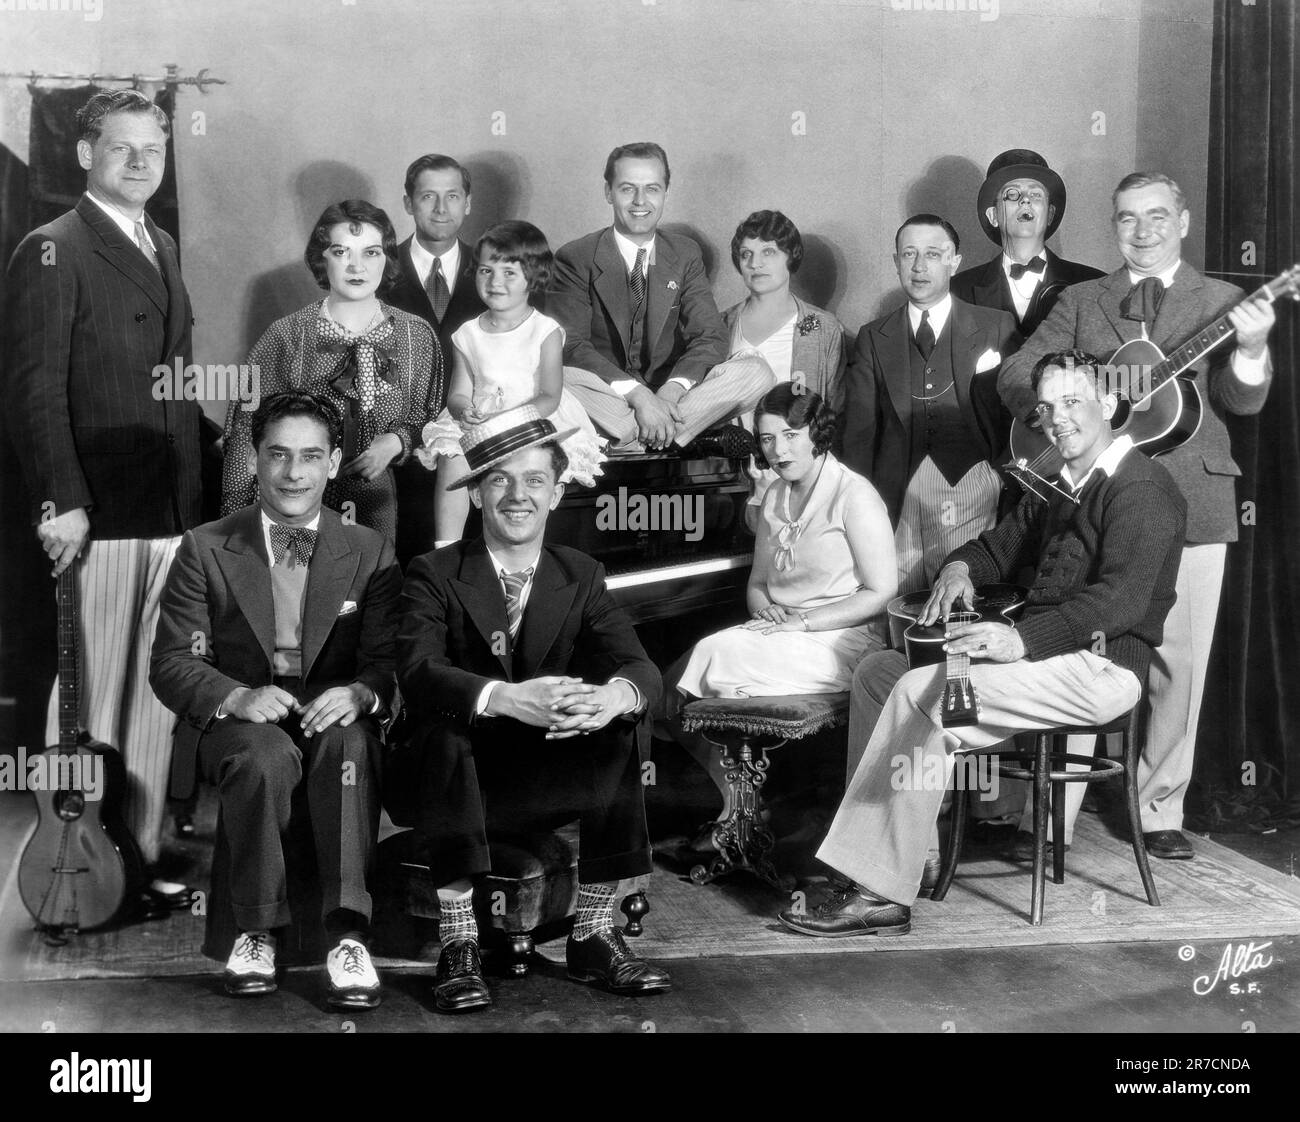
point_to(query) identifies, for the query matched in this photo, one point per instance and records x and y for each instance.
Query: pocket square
(987, 361)
(349, 606)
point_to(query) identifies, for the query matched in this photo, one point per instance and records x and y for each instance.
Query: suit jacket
(1088, 317)
(878, 407)
(589, 296)
(817, 354)
(451, 644)
(88, 319)
(219, 587)
(408, 294)
(987, 286)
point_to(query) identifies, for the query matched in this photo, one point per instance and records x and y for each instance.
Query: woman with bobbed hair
(824, 570)
(803, 344)
(380, 367)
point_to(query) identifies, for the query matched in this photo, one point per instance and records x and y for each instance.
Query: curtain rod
(171, 78)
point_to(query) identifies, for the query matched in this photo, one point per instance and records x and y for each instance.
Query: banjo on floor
(1157, 409)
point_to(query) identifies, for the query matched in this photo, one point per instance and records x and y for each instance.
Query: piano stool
(1045, 768)
(745, 730)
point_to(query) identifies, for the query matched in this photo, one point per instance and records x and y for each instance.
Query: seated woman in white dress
(508, 357)
(824, 570)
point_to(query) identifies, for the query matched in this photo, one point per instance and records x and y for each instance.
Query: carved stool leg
(519, 949)
(742, 839)
(636, 907)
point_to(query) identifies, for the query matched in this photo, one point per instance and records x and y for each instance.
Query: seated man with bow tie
(1156, 295)
(275, 648)
(528, 689)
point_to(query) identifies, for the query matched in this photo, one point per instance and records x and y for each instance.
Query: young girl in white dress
(509, 356)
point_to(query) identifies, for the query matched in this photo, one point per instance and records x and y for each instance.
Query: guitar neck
(957, 667)
(69, 639)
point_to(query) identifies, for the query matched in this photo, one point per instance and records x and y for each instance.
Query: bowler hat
(1019, 163)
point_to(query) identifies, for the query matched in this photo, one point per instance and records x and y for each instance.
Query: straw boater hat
(501, 436)
(1019, 163)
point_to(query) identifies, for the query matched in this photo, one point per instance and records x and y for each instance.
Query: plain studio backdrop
(846, 114)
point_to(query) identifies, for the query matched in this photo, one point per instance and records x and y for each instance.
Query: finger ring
(984, 646)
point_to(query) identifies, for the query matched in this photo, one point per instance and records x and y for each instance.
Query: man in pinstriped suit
(95, 302)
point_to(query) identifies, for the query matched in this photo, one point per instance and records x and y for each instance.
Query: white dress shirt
(938, 315)
(628, 250)
(423, 260)
(1106, 463)
(1022, 290)
(125, 224)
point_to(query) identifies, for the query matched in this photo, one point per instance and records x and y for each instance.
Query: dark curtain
(47, 186)
(1251, 712)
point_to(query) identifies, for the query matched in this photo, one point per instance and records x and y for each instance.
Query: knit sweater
(1104, 569)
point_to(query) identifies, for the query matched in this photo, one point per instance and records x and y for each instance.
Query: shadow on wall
(714, 258)
(500, 189)
(820, 279)
(289, 287)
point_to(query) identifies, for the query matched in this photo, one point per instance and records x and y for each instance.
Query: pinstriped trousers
(730, 388)
(937, 517)
(119, 583)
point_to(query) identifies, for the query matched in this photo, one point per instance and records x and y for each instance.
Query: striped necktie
(435, 287)
(142, 240)
(515, 584)
(637, 280)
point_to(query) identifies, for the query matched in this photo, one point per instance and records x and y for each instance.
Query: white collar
(1007, 263)
(423, 260)
(1106, 463)
(268, 522)
(627, 249)
(123, 223)
(1166, 278)
(938, 315)
(498, 567)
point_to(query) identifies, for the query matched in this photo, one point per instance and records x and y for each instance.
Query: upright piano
(670, 532)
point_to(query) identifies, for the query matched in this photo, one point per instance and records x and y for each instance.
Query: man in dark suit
(1156, 295)
(275, 649)
(529, 691)
(110, 467)
(644, 345)
(1020, 206)
(922, 416)
(436, 282)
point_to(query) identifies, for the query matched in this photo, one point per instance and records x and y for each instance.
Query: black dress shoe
(1169, 844)
(184, 826)
(176, 900)
(846, 912)
(604, 959)
(731, 441)
(458, 984)
(930, 875)
(1022, 849)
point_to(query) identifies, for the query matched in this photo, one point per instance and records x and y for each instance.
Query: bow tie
(302, 540)
(1035, 265)
(1143, 301)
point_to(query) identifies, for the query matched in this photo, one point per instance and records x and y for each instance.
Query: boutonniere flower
(672, 286)
(808, 324)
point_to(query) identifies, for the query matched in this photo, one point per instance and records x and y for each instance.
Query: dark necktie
(1143, 301)
(925, 337)
(435, 287)
(302, 540)
(1035, 265)
(515, 583)
(142, 240)
(636, 282)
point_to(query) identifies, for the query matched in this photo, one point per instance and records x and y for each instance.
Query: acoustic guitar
(1157, 409)
(994, 603)
(82, 862)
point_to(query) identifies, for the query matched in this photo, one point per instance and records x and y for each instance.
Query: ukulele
(994, 603)
(1157, 408)
(82, 861)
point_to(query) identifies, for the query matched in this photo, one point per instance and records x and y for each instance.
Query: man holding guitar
(1105, 539)
(1157, 296)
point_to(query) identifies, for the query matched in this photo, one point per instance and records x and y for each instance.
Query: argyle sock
(595, 909)
(457, 915)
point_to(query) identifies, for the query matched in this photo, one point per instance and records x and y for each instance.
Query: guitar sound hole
(70, 805)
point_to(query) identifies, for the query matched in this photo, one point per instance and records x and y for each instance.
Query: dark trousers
(516, 782)
(255, 769)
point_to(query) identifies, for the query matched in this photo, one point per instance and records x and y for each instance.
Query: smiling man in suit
(275, 648)
(110, 473)
(922, 415)
(1156, 295)
(1020, 205)
(644, 344)
(529, 691)
(435, 281)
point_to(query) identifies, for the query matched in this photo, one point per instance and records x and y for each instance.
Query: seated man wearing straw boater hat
(1020, 206)
(528, 689)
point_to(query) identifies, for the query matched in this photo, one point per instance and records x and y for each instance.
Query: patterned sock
(595, 909)
(457, 921)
